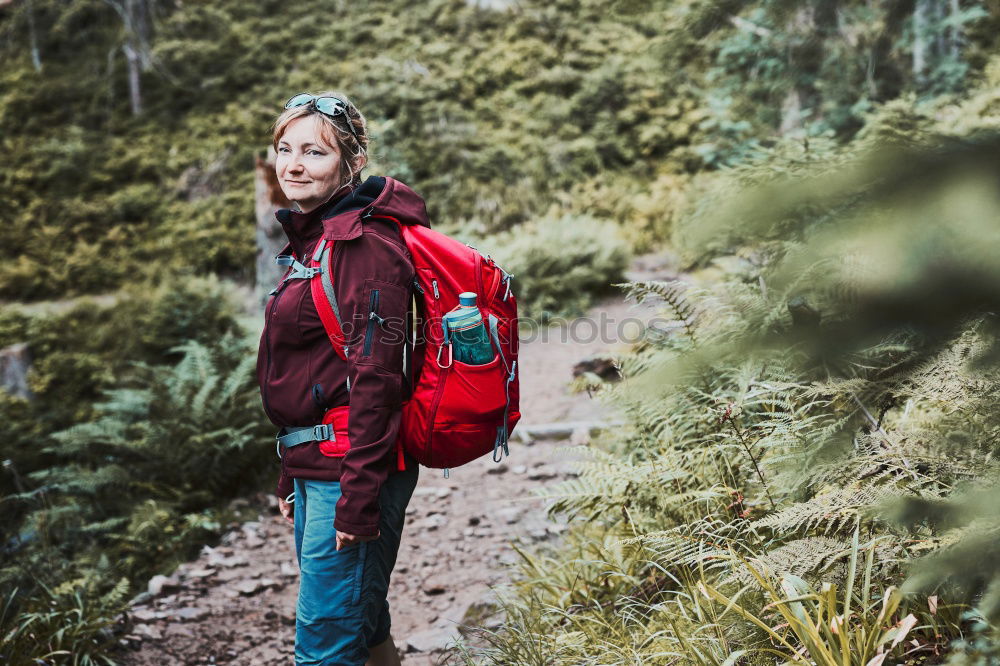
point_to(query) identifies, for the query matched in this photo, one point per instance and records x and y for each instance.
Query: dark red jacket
(299, 373)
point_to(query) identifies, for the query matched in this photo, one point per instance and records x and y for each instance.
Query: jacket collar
(343, 221)
(341, 218)
(303, 229)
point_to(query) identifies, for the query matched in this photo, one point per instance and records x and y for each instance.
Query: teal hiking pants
(342, 609)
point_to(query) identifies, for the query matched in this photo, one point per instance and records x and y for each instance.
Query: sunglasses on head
(328, 106)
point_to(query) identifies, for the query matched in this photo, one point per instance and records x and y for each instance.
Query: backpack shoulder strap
(324, 297)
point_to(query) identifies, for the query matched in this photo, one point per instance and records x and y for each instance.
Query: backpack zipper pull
(434, 284)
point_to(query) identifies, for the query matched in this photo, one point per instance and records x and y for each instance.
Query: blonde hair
(334, 131)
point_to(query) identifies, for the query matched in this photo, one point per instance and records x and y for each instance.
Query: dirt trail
(235, 604)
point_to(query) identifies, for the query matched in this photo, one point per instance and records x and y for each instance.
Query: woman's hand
(287, 510)
(344, 539)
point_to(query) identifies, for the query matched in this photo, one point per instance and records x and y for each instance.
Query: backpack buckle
(324, 432)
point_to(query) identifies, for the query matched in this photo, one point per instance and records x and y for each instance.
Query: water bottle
(464, 328)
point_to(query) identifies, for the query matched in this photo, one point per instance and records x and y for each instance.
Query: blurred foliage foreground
(144, 419)
(810, 471)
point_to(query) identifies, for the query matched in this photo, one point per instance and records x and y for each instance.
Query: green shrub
(560, 265)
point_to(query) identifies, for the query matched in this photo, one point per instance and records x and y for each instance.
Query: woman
(347, 508)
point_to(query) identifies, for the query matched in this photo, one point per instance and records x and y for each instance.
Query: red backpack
(456, 412)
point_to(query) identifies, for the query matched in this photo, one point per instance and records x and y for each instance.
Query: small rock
(201, 573)
(567, 469)
(442, 493)
(432, 640)
(141, 598)
(190, 614)
(146, 631)
(542, 473)
(602, 365)
(289, 570)
(435, 584)
(498, 469)
(250, 587)
(159, 584)
(227, 562)
(430, 523)
(474, 520)
(519, 469)
(509, 558)
(509, 514)
(147, 615)
(254, 542)
(176, 629)
(271, 615)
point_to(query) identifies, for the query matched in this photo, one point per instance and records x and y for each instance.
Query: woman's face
(308, 168)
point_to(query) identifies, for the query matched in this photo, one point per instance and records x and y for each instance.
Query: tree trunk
(15, 361)
(921, 20)
(955, 36)
(791, 112)
(270, 236)
(136, 17)
(36, 56)
(134, 82)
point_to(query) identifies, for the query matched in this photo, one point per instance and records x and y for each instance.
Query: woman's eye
(315, 152)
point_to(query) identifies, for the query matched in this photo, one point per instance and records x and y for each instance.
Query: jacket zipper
(267, 345)
(372, 318)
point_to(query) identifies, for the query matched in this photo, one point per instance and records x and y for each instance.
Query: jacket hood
(378, 195)
(342, 216)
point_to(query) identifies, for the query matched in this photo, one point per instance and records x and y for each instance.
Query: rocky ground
(235, 603)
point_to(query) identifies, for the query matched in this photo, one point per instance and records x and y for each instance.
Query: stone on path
(436, 584)
(190, 614)
(160, 583)
(432, 640)
(147, 631)
(509, 514)
(251, 587)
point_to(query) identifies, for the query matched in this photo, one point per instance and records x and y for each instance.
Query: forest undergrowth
(817, 444)
(808, 474)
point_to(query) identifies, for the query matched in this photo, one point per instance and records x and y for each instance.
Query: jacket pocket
(384, 311)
